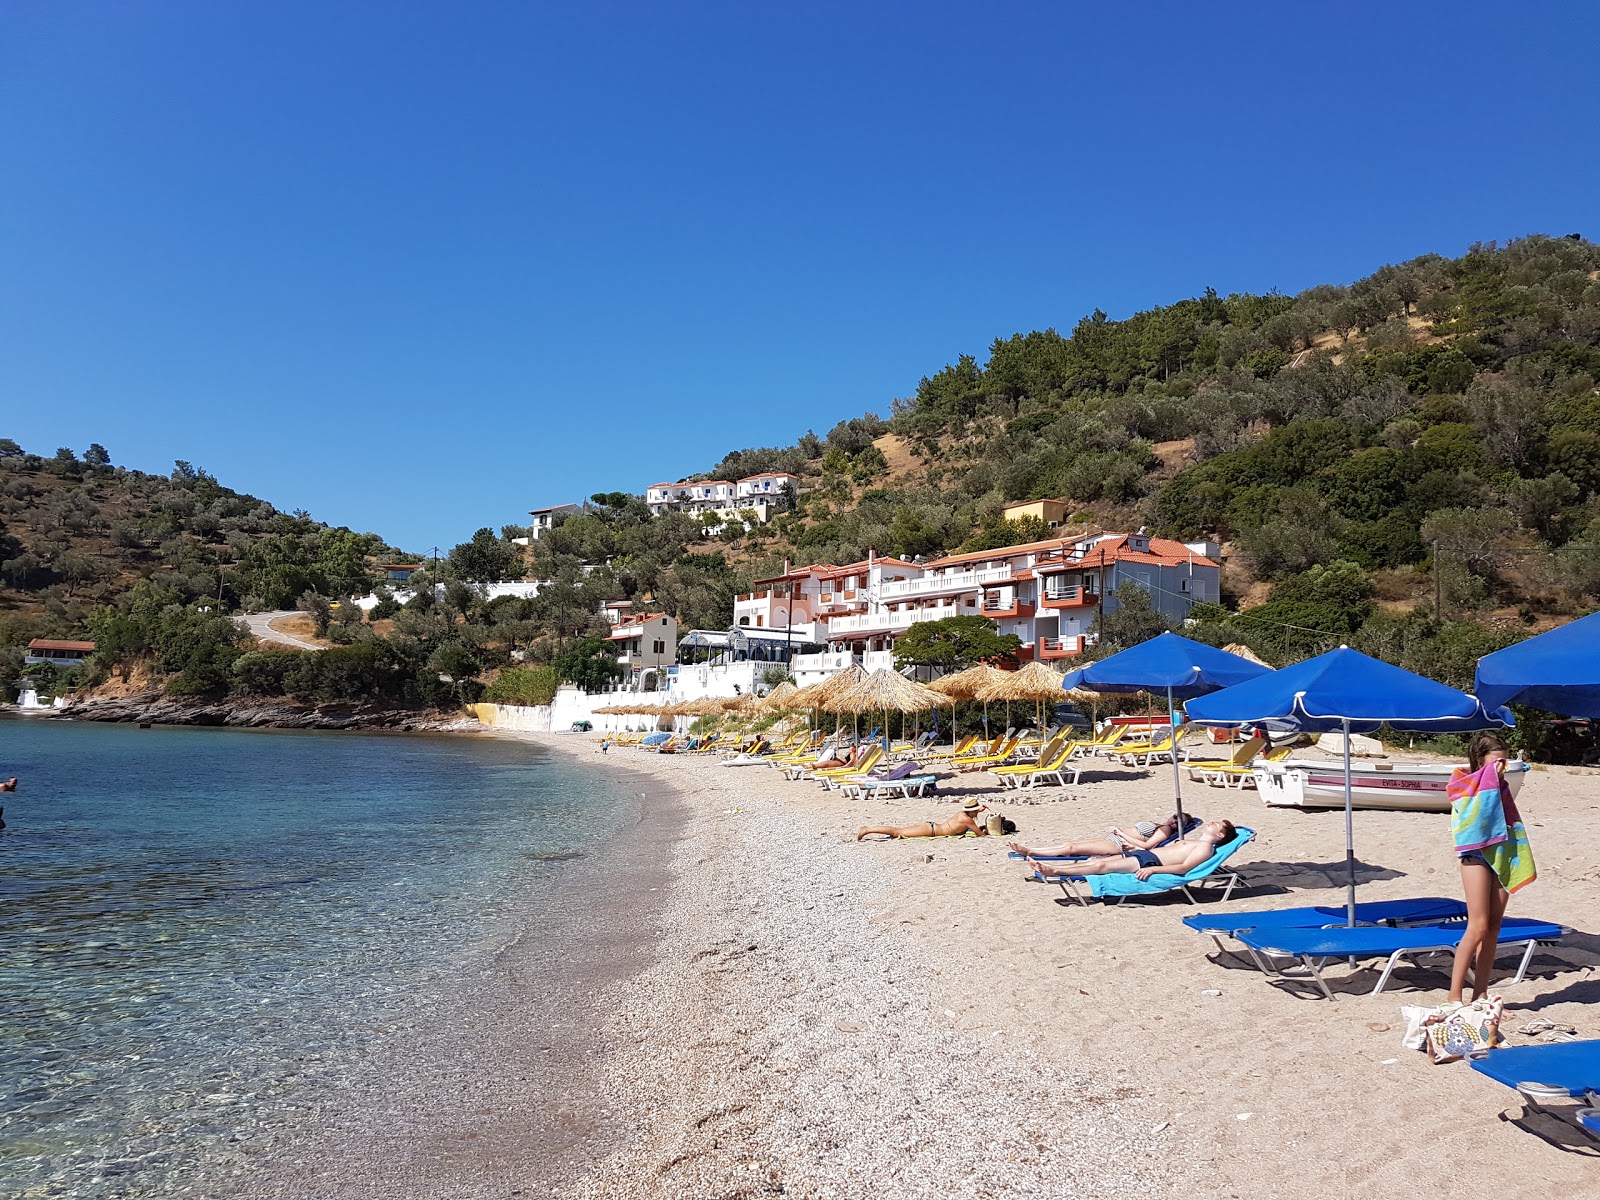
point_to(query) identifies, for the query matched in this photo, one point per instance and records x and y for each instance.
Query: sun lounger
(1312, 948)
(868, 760)
(906, 787)
(1146, 754)
(1424, 910)
(1109, 739)
(973, 762)
(898, 771)
(1247, 750)
(1243, 776)
(1057, 765)
(1559, 1071)
(1125, 887)
(961, 748)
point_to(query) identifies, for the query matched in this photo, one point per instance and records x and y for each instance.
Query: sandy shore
(832, 1019)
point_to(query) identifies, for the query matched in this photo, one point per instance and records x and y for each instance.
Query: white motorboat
(1411, 786)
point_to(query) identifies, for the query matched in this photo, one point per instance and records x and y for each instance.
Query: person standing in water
(1492, 848)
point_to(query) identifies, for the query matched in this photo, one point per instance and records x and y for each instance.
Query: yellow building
(1051, 512)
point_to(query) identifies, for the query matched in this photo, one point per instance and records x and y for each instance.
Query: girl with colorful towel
(1495, 857)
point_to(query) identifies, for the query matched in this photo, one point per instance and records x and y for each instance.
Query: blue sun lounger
(1123, 888)
(1314, 947)
(1423, 910)
(1558, 1071)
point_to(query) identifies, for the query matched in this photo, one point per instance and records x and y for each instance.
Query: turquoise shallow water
(205, 934)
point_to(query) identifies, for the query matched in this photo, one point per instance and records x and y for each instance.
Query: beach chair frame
(1279, 966)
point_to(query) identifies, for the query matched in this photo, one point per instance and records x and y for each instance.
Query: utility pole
(1438, 586)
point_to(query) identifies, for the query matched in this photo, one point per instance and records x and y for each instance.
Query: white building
(544, 520)
(644, 643)
(1046, 593)
(753, 498)
(769, 485)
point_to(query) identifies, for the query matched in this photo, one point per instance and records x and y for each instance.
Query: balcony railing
(934, 585)
(832, 660)
(1070, 596)
(879, 621)
(1060, 647)
(878, 660)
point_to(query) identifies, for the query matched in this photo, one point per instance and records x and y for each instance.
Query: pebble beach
(793, 1013)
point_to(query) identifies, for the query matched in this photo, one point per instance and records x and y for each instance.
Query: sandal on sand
(1554, 1030)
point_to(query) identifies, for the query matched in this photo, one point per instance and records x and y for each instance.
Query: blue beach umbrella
(1557, 671)
(1346, 691)
(1178, 666)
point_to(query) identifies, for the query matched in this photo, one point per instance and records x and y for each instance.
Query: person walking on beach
(1146, 835)
(1496, 860)
(965, 821)
(1172, 859)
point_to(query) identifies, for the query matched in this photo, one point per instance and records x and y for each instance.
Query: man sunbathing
(964, 821)
(1173, 859)
(1146, 835)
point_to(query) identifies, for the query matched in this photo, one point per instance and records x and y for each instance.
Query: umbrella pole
(1177, 784)
(1349, 832)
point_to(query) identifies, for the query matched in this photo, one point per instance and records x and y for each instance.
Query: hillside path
(261, 625)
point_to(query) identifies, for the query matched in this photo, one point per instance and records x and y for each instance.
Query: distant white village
(820, 618)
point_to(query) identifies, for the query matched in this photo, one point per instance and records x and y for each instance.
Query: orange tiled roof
(857, 567)
(1004, 551)
(57, 644)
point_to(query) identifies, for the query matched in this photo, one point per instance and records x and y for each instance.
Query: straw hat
(971, 805)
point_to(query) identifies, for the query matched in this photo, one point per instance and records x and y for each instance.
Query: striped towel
(1484, 819)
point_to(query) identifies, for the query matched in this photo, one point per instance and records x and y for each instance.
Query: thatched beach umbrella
(781, 698)
(1036, 682)
(965, 685)
(1246, 653)
(823, 695)
(887, 690)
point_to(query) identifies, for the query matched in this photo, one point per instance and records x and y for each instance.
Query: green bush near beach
(527, 686)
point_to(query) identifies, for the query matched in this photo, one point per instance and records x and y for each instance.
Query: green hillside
(1409, 463)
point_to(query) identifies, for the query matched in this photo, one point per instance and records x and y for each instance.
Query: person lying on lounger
(1173, 859)
(848, 759)
(965, 821)
(1146, 835)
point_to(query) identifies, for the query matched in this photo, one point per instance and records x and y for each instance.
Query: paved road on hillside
(260, 625)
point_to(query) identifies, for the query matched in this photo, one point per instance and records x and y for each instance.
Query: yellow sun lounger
(966, 744)
(1247, 750)
(975, 761)
(868, 761)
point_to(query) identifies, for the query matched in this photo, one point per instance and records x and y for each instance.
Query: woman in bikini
(965, 821)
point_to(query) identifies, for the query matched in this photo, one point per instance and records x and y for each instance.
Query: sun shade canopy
(1557, 671)
(1348, 691)
(1166, 664)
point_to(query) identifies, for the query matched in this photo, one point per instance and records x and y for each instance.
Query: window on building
(660, 646)
(1183, 584)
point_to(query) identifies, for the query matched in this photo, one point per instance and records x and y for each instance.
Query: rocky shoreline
(154, 708)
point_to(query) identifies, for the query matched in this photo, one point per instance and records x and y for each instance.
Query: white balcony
(878, 660)
(880, 622)
(935, 585)
(827, 662)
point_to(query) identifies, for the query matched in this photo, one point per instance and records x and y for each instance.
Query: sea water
(204, 934)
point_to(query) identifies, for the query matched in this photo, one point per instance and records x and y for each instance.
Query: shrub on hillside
(528, 686)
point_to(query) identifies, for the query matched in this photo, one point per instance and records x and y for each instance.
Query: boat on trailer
(1408, 786)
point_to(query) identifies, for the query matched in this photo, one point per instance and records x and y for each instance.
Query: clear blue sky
(420, 267)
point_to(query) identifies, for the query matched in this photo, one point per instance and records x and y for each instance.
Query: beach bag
(1456, 1033)
(999, 826)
